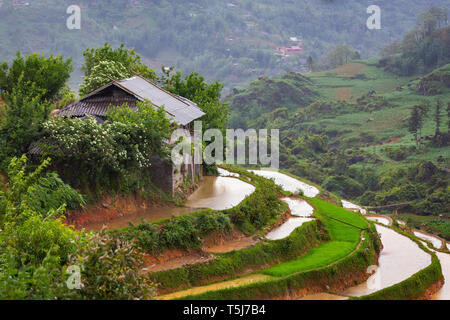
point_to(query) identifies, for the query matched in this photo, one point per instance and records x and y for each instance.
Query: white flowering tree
(126, 141)
(101, 74)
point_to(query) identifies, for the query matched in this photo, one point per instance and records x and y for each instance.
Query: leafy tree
(111, 269)
(36, 249)
(128, 58)
(424, 48)
(25, 112)
(339, 55)
(440, 14)
(39, 190)
(427, 23)
(448, 117)
(415, 124)
(206, 96)
(48, 74)
(438, 117)
(310, 63)
(101, 74)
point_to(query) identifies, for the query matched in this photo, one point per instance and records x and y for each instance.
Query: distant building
(290, 51)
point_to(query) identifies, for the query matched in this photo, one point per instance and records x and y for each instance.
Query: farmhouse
(290, 51)
(179, 110)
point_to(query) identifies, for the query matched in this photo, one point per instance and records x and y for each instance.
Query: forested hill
(358, 137)
(231, 41)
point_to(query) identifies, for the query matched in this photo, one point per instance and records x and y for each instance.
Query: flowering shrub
(124, 142)
(102, 74)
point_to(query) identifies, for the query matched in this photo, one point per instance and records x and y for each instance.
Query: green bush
(181, 232)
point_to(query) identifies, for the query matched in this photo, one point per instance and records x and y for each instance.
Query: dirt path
(172, 259)
(236, 244)
(217, 286)
(393, 140)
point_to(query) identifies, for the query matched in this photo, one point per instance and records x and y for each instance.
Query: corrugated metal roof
(179, 109)
(95, 106)
(183, 110)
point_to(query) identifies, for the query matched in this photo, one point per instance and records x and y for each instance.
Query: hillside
(354, 139)
(233, 42)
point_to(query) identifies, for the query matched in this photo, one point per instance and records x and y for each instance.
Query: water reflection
(444, 293)
(353, 207)
(217, 193)
(436, 242)
(220, 193)
(287, 228)
(288, 183)
(400, 259)
(299, 207)
(384, 221)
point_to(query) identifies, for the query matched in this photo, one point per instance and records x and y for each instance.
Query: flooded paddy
(444, 293)
(353, 207)
(436, 242)
(288, 183)
(399, 259)
(381, 220)
(220, 193)
(299, 207)
(217, 193)
(287, 228)
(226, 173)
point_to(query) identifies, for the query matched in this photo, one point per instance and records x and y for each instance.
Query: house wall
(169, 177)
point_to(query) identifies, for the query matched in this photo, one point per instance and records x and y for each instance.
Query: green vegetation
(431, 224)
(436, 82)
(268, 100)
(48, 74)
(422, 49)
(253, 214)
(28, 86)
(357, 135)
(343, 239)
(315, 258)
(355, 263)
(235, 262)
(36, 248)
(342, 230)
(226, 42)
(124, 143)
(181, 232)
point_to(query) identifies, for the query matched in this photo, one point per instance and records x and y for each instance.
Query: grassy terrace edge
(303, 241)
(354, 262)
(254, 215)
(229, 265)
(331, 275)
